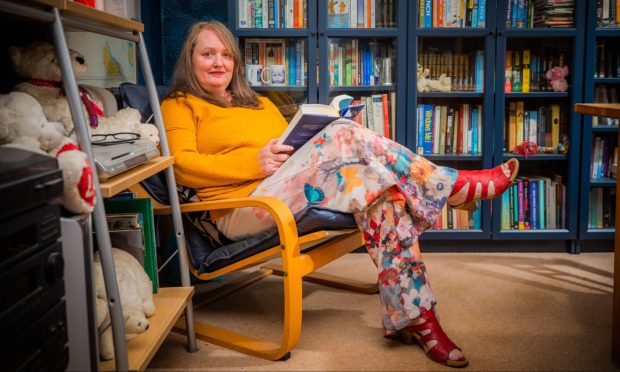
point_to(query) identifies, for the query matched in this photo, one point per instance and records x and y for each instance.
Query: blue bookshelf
(595, 35)
(549, 43)
(408, 40)
(459, 41)
(318, 31)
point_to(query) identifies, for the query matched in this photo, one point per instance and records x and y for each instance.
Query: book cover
(312, 118)
(338, 13)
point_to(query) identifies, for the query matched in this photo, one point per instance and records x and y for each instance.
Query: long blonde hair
(184, 80)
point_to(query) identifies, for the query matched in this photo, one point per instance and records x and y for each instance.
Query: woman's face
(213, 63)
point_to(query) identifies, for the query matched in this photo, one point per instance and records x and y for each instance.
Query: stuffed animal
(136, 298)
(23, 124)
(556, 75)
(442, 84)
(37, 64)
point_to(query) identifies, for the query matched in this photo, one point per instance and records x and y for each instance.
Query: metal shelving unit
(61, 14)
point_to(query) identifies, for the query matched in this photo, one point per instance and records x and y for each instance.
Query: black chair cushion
(137, 97)
(209, 250)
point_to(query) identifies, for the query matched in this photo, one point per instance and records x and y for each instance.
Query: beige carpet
(509, 312)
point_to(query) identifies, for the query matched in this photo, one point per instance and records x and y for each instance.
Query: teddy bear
(37, 64)
(556, 75)
(136, 296)
(442, 84)
(23, 124)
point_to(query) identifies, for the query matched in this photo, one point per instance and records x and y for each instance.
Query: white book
(353, 14)
(289, 14)
(377, 114)
(436, 125)
(265, 13)
(373, 23)
(243, 13)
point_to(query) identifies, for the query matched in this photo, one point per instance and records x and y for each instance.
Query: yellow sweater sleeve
(216, 149)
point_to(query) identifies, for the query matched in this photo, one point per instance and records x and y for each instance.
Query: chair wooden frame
(296, 266)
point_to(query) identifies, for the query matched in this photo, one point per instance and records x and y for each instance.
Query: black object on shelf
(33, 330)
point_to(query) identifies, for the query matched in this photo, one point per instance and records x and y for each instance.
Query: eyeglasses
(113, 138)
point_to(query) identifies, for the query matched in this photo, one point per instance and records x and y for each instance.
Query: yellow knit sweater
(215, 148)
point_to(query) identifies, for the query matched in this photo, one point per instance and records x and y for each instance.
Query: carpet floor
(508, 312)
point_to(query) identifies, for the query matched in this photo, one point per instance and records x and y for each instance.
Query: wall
(166, 23)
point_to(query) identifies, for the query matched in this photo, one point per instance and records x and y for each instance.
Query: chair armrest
(282, 215)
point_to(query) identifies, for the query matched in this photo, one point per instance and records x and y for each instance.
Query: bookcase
(328, 48)
(480, 36)
(599, 135)
(554, 176)
(453, 128)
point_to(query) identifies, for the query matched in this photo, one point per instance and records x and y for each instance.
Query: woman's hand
(272, 156)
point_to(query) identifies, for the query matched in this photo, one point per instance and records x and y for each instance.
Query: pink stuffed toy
(556, 76)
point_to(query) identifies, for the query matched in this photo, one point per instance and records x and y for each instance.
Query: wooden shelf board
(116, 184)
(77, 10)
(169, 304)
(611, 110)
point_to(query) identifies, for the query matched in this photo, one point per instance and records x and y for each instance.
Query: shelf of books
(454, 50)
(542, 83)
(600, 147)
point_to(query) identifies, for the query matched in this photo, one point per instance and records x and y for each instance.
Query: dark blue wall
(166, 23)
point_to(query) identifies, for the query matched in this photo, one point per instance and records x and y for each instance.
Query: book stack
(452, 13)
(456, 219)
(378, 114)
(602, 202)
(602, 157)
(361, 13)
(445, 129)
(607, 59)
(608, 13)
(544, 126)
(272, 13)
(534, 203)
(553, 13)
(353, 62)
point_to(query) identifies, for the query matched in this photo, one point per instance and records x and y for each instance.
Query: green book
(144, 207)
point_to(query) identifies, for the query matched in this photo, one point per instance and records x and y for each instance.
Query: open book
(311, 118)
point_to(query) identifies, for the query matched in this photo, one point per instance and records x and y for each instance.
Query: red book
(386, 115)
(90, 3)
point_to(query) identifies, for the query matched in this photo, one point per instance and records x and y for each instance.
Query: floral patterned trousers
(394, 194)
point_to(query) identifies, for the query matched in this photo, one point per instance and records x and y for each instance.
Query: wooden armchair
(301, 255)
(305, 242)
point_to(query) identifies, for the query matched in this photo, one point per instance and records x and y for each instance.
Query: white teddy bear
(23, 124)
(37, 64)
(442, 84)
(136, 296)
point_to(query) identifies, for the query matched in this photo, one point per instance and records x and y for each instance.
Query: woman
(224, 137)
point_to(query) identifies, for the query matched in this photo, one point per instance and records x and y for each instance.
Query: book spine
(520, 205)
(428, 129)
(420, 131)
(520, 123)
(555, 125)
(474, 131)
(534, 204)
(482, 13)
(386, 116)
